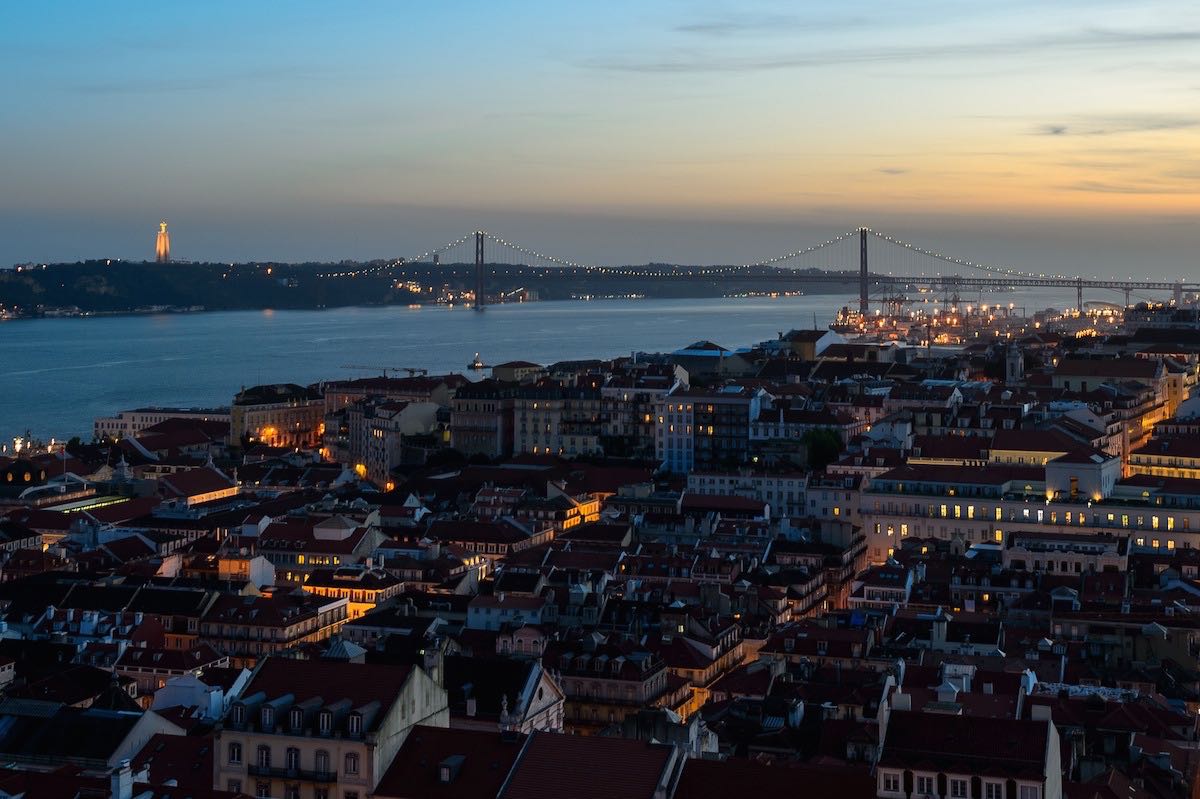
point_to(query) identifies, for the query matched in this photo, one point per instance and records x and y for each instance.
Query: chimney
(121, 782)
(901, 701)
(1040, 713)
(471, 706)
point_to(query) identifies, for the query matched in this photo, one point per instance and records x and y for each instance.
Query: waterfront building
(279, 415)
(131, 423)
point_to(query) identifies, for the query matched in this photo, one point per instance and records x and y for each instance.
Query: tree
(824, 445)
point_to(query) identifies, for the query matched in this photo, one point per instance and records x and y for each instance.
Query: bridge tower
(1079, 295)
(863, 298)
(479, 237)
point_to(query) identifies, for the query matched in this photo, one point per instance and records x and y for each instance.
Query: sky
(1058, 136)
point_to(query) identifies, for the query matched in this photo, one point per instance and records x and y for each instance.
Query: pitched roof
(329, 680)
(555, 766)
(966, 744)
(486, 759)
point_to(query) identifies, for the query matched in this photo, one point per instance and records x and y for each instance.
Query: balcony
(304, 775)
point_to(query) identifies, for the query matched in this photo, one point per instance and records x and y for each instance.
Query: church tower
(162, 248)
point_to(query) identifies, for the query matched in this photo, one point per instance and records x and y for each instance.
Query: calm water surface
(59, 374)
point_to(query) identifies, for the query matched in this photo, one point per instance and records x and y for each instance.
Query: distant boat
(477, 364)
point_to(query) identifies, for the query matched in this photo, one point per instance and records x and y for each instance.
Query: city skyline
(1048, 138)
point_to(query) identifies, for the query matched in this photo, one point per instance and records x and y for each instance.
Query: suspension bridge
(879, 263)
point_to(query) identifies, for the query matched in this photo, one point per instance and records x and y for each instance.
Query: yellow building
(362, 586)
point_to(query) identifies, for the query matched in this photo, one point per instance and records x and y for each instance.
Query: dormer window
(355, 723)
(297, 718)
(239, 714)
(268, 717)
(325, 722)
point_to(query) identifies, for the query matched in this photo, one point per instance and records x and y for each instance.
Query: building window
(235, 753)
(891, 782)
(234, 786)
(268, 717)
(1030, 792)
(925, 786)
(958, 788)
(993, 790)
(321, 762)
(355, 724)
(297, 719)
(293, 759)
(262, 790)
(291, 792)
(326, 721)
(264, 756)
(239, 714)
(352, 763)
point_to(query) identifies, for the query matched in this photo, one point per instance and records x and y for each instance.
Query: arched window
(326, 721)
(321, 764)
(351, 763)
(264, 756)
(293, 759)
(235, 753)
(297, 718)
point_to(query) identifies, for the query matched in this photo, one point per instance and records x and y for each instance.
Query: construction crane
(412, 370)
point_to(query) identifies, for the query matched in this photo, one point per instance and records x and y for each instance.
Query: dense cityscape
(622, 400)
(851, 559)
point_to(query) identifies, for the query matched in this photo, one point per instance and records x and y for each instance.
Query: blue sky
(1026, 132)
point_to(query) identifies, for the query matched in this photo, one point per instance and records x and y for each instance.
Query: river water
(56, 375)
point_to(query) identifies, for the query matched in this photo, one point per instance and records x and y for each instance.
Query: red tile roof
(331, 680)
(556, 766)
(715, 779)
(487, 760)
(966, 745)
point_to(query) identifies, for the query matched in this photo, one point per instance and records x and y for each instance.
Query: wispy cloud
(1112, 125)
(893, 170)
(1083, 40)
(749, 24)
(1127, 188)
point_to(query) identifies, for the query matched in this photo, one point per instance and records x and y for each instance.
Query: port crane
(411, 370)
